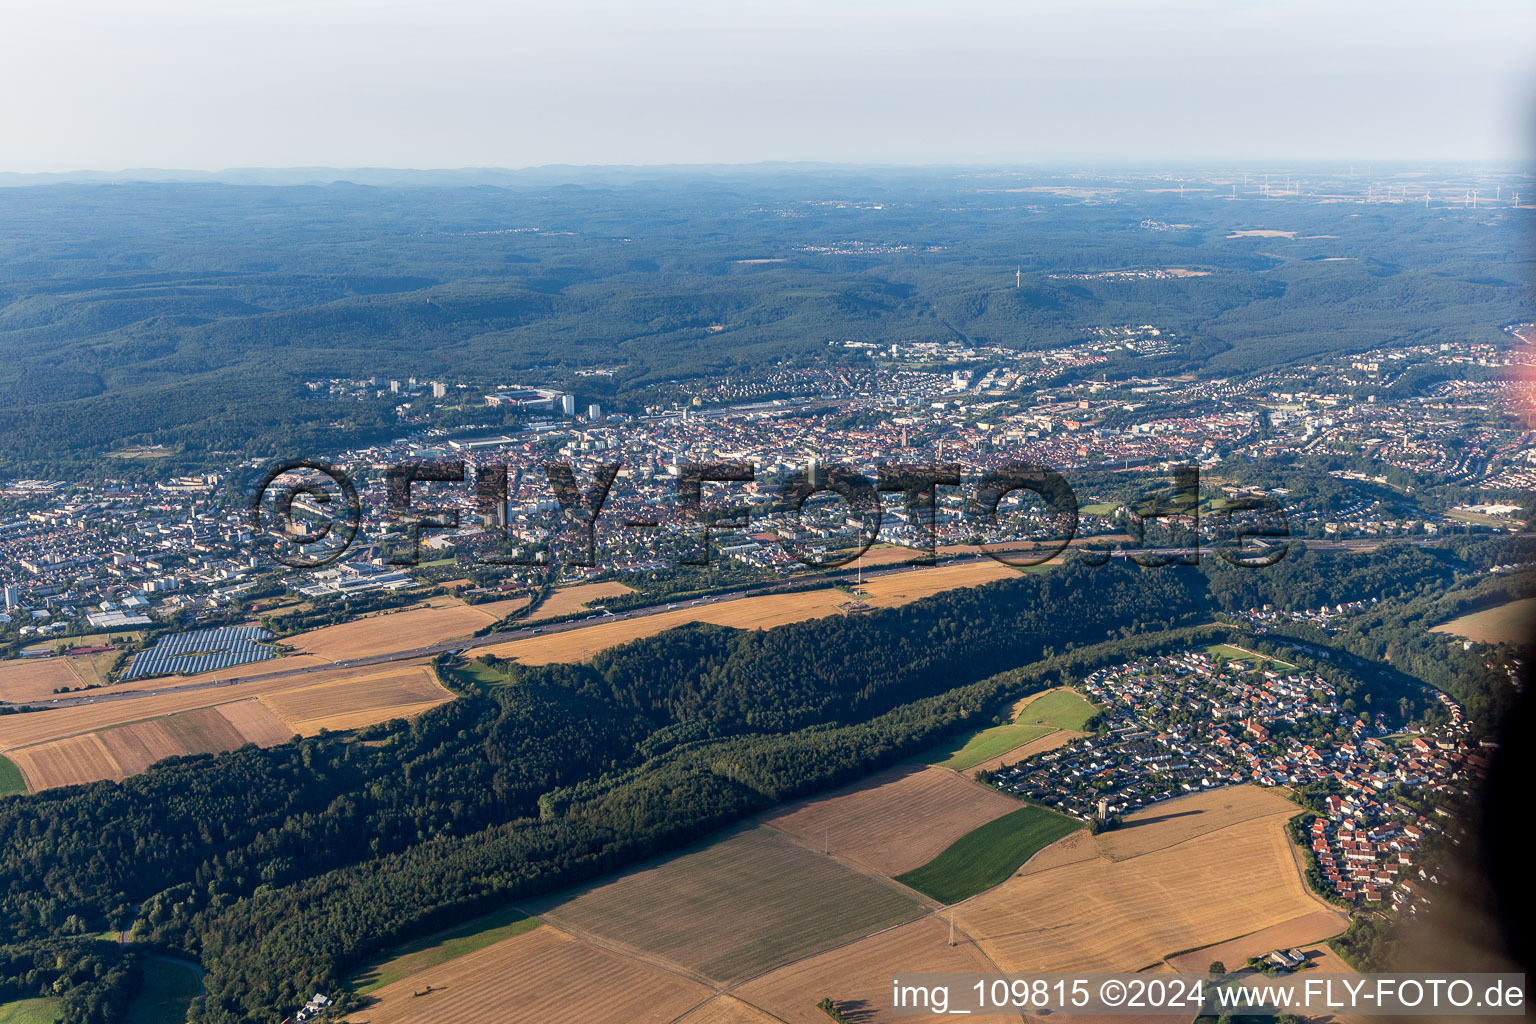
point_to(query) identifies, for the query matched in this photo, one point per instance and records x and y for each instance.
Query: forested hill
(191, 314)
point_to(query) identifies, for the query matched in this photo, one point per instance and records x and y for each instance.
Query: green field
(1238, 654)
(1102, 508)
(167, 994)
(10, 778)
(30, 1011)
(986, 857)
(442, 947)
(1062, 709)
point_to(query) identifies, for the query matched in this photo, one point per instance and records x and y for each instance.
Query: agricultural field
(536, 977)
(1190, 817)
(427, 953)
(11, 780)
(432, 622)
(733, 908)
(857, 977)
(1505, 623)
(572, 600)
(1033, 719)
(986, 856)
(1306, 932)
(1165, 882)
(23, 679)
(729, 1010)
(116, 753)
(374, 695)
(759, 612)
(894, 821)
(30, 1011)
(116, 739)
(1050, 741)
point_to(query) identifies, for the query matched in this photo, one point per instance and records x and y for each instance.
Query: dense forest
(190, 315)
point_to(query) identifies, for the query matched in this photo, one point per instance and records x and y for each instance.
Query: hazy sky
(109, 84)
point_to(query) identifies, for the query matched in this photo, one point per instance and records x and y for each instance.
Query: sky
(211, 84)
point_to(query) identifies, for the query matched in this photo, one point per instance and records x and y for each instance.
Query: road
(108, 694)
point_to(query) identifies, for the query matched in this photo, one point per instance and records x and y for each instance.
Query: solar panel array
(202, 650)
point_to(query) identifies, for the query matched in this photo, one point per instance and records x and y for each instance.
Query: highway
(110, 694)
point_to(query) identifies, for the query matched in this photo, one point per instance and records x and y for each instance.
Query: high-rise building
(439, 389)
(394, 387)
(594, 411)
(12, 597)
(568, 404)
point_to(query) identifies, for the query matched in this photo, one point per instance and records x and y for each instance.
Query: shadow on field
(1161, 817)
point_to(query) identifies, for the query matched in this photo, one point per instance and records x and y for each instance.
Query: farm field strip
(894, 821)
(376, 691)
(436, 621)
(857, 976)
(571, 600)
(86, 744)
(41, 726)
(121, 751)
(732, 909)
(987, 855)
(1301, 931)
(727, 1009)
(1179, 886)
(1500, 624)
(763, 611)
(536, 977)
(36, 678)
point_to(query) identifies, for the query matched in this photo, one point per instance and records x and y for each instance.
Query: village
(1195, 720)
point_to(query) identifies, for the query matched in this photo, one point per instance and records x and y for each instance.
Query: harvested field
(734, 908)
(1050, 741)
(537, 977)
(375, 695)
(1505, 623)
(1175, 821)
(66, 762)
(729, 1010)
(858, 976)
(760, 612)
(20, 730)
(1307, 930)
(119, 752)
(1178, 885)
(425, 954)
(570, 600)
(256, 723)
(439, 620)
(896, 820)
(115, 739)
(36, 678)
